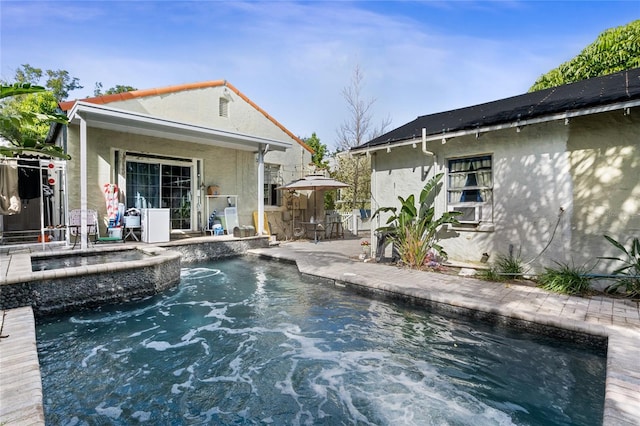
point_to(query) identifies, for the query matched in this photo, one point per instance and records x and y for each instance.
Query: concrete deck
(20, 383)
(616, 319)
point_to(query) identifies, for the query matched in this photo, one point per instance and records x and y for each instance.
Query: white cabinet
(218, 203)
(154, 225)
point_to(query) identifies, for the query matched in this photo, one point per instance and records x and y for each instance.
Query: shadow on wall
(591, 180)
(606, 185)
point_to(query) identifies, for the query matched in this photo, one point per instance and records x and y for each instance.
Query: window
(470, 189)
(272, 180)
(223, 107)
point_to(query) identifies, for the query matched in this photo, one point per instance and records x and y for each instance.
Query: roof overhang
(104, 117)
(445, 135)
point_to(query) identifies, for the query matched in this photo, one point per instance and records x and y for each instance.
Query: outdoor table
(130, 231)
(315, 226)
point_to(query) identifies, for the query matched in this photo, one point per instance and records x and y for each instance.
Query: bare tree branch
(354, 131)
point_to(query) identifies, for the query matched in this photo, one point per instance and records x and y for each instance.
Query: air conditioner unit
(471, 214)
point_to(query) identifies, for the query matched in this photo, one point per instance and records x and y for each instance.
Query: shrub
(505, 267)
(490, 274)
(565, 279)
(413, 228)
(509, 265)
(629, 272)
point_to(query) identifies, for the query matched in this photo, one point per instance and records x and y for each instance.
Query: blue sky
(294, 58)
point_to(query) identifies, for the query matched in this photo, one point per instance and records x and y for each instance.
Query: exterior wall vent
(223, 110)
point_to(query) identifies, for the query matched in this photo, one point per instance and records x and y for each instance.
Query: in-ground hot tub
(72, 260)
(68, 280)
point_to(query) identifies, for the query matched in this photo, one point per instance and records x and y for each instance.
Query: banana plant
(413, 229)
(16, 126)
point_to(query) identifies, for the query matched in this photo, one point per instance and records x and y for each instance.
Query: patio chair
(75, 217)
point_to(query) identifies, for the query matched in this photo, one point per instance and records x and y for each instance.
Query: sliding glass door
(161, 184)
(176, 194)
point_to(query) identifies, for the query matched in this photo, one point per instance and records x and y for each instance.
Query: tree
(32, 105)
(357, 129)
(60, 83)
(119, 88)
(22, 128)
(355, 171)
(319, 151)
(28, 110)
(28, 74)
(616, 49)
(317, 159)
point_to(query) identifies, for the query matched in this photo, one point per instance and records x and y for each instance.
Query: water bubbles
(248, 342)
(198, 273)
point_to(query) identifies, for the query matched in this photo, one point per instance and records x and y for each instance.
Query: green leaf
(616, 244)
(19, 89)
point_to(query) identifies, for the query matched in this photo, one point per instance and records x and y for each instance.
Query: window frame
(471, 177)
(162, 195)
(272, 180)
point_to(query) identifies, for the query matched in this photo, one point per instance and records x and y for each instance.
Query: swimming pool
(244, 341)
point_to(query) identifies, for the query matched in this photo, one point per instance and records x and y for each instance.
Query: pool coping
(115, 280)
(19, 267)
(522, 304)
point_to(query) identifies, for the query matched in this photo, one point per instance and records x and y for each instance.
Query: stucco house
(543, 175)
(191, 148)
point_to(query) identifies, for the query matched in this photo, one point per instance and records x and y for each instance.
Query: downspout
(83, 183)
(424, 143)
(261, 153)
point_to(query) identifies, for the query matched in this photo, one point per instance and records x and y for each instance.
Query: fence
(358, 220)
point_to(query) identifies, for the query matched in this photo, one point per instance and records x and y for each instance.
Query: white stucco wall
(604, 154)
(588, 168)
(531, 184)
(200, 107)
(235, 172)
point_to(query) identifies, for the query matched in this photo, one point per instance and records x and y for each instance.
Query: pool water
(83, 259)
(246, 341)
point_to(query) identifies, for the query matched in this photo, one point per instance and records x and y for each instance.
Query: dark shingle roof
(594, 92)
